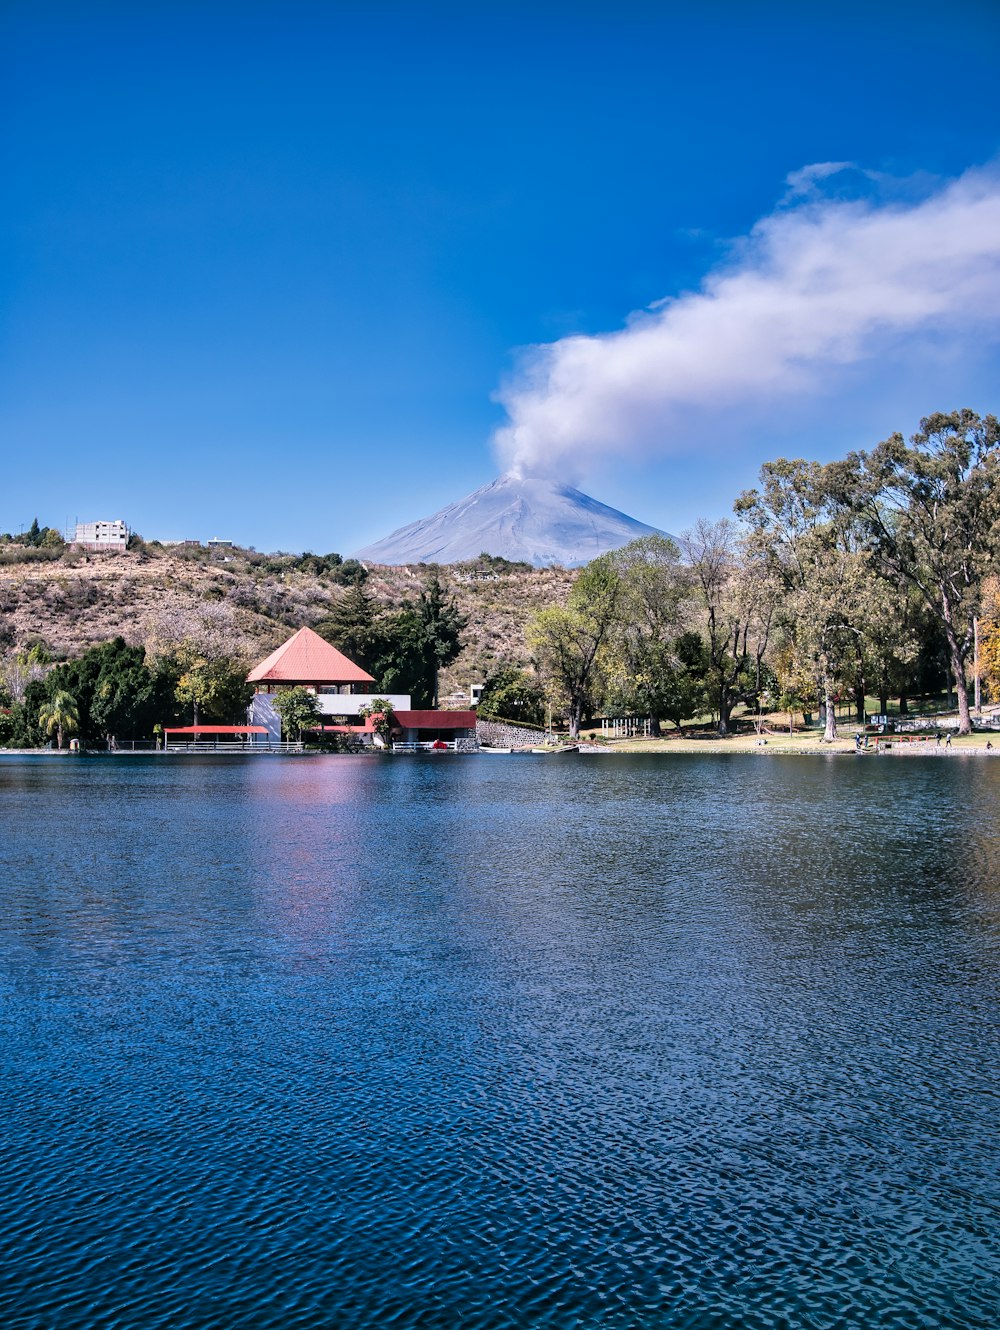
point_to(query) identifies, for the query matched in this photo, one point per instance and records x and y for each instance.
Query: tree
(350, 573)
(115, 691)
(814, 547)
(567, 642)
(931, 508)
(60, 715)
(512, 694)
(351, 626)
(734, 600)
(400, 659)
(645, 675)
(298, 708)
(380, 711)
(666, 683)
(442, 625)
(215, 687)
(21, 668)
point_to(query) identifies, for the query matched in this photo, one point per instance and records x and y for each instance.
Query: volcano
(528, 519)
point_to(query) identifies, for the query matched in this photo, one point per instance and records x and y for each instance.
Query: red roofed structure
(306, 658)
(343, 691)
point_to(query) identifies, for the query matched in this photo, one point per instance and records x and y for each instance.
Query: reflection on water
(699, 1042)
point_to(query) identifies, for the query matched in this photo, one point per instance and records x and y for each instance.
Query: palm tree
(60, 714)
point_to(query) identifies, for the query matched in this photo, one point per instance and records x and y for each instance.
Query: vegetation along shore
(870, 584)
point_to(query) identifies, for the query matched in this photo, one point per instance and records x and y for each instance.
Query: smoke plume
(821, 283)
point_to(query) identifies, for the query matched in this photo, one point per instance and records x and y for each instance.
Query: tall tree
(567, 643)
(442, 625)
(734, 598)
(116, 693)
(814, 547)
(646, 675)
(400, 660)
(215, 687)
(510, 693)
(932, 508)
(352, 626)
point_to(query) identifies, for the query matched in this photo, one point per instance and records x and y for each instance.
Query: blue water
(499, 1042)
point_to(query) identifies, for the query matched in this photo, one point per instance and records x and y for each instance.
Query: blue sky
(264, 270)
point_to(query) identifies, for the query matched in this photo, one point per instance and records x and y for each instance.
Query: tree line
(864, 576)
(114, 691)
(873, 575)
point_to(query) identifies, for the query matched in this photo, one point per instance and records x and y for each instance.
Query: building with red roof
(343, 689)
(309, 660)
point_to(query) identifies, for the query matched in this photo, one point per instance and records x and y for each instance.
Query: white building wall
(262, 710)
(102, 535)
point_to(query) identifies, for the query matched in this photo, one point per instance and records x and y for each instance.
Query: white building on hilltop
(101, 536)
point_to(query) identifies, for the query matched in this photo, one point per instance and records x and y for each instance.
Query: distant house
(342, 691)
(102, 537)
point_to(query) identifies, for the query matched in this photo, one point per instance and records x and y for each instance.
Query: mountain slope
(536, 521)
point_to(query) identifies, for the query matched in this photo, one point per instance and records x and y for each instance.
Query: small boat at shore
(484, 749)
(556, 748)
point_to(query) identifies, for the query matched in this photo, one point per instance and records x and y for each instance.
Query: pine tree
(443, 626)
(351, 626)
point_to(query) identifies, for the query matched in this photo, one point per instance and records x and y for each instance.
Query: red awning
(216, 729)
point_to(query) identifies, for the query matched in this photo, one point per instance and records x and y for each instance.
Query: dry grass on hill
(250, 604)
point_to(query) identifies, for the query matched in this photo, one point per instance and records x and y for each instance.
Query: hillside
(251, 603)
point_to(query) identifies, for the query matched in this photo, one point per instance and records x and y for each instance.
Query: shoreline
(805, 745)
(621, 748)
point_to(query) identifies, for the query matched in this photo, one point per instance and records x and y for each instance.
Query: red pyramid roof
(307, 658)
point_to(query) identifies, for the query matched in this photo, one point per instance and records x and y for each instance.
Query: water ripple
(699, 1043)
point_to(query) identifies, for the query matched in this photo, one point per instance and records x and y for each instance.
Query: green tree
(931, 508)
(567, 643)
(352, 626)
(400, 660)
(510, 693)
(442, 625)
(116, 693)
(380, 711)
(734, 596)
(349, 572)
(59, 716)
(298, 708)
(666, 681)
(645, 676)
(815, 549)
(215, 687)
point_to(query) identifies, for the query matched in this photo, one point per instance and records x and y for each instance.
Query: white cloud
(805, 181)
(817, 285)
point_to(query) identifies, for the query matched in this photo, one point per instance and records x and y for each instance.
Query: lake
(500, 1042)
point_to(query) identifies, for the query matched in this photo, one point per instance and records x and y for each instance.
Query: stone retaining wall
(498, 735)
